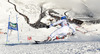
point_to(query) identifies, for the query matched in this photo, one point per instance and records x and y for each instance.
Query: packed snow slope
(88, 43)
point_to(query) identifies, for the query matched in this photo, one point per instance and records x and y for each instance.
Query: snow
(88, 43)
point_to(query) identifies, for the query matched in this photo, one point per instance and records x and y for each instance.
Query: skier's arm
(56, 23)
(73, 29)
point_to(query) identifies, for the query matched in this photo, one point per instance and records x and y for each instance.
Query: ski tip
(36, 42)
(39, 42)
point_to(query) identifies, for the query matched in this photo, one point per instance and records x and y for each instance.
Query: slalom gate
(12, 26)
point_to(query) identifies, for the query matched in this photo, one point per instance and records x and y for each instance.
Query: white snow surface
(88, 43)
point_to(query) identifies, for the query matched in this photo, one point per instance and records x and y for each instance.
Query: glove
(73, 34)
(47, 26)
(51, 25)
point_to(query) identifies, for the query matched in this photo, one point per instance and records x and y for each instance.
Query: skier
(63, 31)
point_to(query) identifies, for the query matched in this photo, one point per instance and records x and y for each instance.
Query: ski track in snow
(53, 48)
(71, 45)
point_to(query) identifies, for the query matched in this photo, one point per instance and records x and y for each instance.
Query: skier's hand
(73, 34)
(47, 26)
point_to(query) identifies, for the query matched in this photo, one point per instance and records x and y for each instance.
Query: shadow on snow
(51, 42)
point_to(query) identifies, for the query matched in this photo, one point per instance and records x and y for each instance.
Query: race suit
(63, 30)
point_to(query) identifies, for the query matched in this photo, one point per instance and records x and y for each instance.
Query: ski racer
(63, 31)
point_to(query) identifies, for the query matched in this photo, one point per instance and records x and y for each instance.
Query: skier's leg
(63, 34)
(61, 31)
(53, 35)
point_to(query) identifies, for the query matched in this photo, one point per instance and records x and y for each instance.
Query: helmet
(63, 17)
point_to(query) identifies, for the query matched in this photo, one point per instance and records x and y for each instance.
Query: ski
(39, 42)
